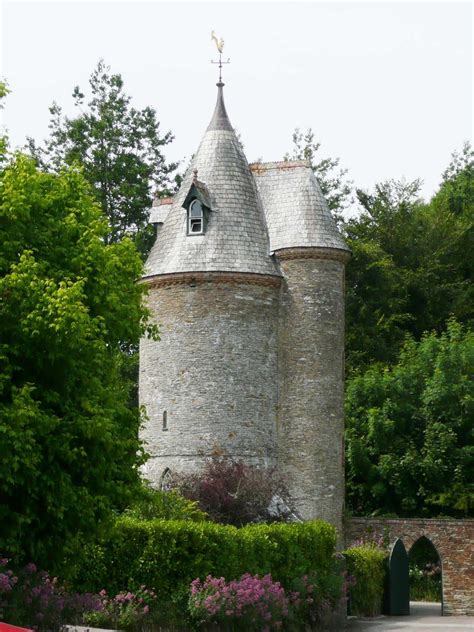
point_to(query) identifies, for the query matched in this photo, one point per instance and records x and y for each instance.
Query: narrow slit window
(196, 218)
(165, 420)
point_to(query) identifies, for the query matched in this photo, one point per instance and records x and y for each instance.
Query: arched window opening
(425, 573)
(165, 480)
(165, 420)
(195, 218)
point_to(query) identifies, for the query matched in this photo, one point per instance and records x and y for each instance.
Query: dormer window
(198, 208)
(195, 218)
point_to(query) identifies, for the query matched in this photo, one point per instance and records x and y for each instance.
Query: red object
(6, 627)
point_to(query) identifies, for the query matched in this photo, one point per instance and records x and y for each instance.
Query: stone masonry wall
(453, 539)
(310, 416)
(213, 372)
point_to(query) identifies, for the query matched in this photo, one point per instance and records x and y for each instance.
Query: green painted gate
(397, 590)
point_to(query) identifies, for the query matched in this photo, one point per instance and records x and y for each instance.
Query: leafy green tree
(457, 190)
(378, 275)
(412, 263)
(120, 150)
(410, 437)
(69, 444)
(332, 179)
(3, 139)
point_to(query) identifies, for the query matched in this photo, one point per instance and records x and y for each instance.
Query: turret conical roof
(235, 239)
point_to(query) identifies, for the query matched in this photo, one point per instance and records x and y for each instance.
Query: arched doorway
(426, 576)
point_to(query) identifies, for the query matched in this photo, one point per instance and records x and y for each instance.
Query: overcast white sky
(386, 86)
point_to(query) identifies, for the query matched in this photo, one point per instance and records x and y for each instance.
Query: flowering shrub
(32, 598)
(125, 611)
(254, 603)
(250, 603)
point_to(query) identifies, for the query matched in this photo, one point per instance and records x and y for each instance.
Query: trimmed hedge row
(368, 565)
(167, 555)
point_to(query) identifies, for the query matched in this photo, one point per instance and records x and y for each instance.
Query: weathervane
(220, 48)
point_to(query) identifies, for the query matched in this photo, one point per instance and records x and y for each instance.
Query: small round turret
(312, 257)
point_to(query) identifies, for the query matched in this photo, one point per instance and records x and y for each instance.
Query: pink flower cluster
(34, 599)
(251, 600)
(136, 604)
(7, 581)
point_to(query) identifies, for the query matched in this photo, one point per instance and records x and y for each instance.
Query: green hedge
(368, 565)
(168, 555)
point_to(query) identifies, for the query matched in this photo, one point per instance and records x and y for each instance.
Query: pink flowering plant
(34, 599)
(249, 603)
(125, 611)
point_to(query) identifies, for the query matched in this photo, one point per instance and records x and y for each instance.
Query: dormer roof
(198, 191)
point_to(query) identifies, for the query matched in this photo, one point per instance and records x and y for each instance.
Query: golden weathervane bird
(219, 42)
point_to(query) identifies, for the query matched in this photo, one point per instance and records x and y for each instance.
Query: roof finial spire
(220, 48)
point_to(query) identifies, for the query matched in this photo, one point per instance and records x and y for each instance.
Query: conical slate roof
(296, 212)
(236, 238)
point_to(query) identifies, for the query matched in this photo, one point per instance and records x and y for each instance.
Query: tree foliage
(120, 150)
(160, 504)
(412, 263)
(332, 179)
(410, 437)
(68, 299)
(3, 139)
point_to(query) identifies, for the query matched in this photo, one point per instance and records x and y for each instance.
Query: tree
(68, 300)
(457, 189)
(382, 241)
(335, 187)
(3, 139)
(412, 263)
(410, 438)
(120, 149)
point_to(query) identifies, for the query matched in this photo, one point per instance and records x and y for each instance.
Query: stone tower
(246, 280)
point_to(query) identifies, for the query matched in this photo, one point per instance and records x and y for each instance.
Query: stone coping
(198, 278)
(313, 252)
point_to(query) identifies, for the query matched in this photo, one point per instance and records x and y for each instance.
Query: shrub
(168, 555)
(250, 603)
(32, 598)
(231, 492)
(165, 505)
(125, 611)
(315, 596)
(367, 565)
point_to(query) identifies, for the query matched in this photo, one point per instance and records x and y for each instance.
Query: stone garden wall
(453, 539)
